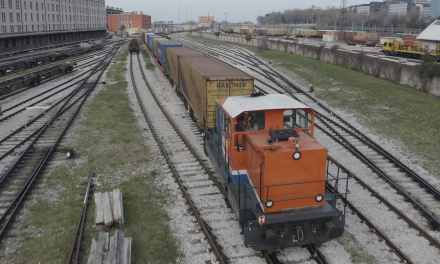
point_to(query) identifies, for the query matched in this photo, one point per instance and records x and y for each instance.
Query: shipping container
(295, 32)
(264, 32)
(150, 41)
(244, 31)
(204, 80)
(360, 39)
(236, 30)
(162, 46)
(409, 37)
(329, 37)
(288, 32)
(382, 35)
(173, 61)
(155, 40)
(259, 31)
(322, 33)
(409, 43)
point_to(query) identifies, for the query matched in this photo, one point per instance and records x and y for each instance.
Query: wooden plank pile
(110, 250)
(109, 210)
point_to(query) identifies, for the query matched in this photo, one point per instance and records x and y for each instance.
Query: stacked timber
(110, 250)
(109, 210)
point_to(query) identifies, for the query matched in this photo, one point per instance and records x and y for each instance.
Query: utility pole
(179, 12)
(342, 18)
(186, 13)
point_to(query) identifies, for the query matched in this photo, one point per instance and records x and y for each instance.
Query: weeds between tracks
(108, 140)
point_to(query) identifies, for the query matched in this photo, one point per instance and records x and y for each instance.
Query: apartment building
(42, 17)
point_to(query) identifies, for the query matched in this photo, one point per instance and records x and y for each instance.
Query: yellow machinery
(291, 37)
(409, 48)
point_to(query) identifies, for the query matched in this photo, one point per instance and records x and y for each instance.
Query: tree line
(330, 19)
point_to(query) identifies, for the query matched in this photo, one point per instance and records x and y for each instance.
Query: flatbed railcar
(33, 61)
(35, 78)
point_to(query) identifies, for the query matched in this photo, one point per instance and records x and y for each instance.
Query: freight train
(276, 176)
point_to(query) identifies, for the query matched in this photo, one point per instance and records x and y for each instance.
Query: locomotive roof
(236, 105)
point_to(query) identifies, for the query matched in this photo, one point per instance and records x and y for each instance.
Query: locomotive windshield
(298, 118)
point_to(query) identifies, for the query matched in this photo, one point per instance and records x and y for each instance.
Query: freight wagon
(133, 46)
(204, 80)
(35, 78)
(361, 40)
(410, 48)
(33, 61)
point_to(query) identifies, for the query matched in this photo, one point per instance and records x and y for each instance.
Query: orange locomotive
(276, 175)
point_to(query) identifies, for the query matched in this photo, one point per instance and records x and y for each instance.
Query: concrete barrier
(406, 73)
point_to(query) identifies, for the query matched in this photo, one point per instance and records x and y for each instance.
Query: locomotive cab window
(297, 118)
(250, 121)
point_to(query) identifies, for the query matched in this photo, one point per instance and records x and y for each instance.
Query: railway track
(18, 180)
(431, 243)
(12, 142)
(75, 251)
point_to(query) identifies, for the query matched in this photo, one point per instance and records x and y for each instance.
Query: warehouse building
(430, 37)
(129, 20)
(29, 24)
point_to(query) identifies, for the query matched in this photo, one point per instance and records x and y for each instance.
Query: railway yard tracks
(33, 144)
(393, 214)
(83, 63)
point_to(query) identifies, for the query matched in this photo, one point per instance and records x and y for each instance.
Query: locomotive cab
(274, 172)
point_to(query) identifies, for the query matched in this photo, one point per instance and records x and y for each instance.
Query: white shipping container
(326, 37)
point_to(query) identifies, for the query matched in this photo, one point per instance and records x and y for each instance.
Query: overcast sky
(168, 10)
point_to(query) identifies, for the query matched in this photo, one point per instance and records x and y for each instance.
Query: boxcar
(204, 80)
(133, 46)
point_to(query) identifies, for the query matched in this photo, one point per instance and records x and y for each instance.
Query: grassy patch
(393, 110)
(40, 68)
(150, 66)
(357, 253)
(108, 140)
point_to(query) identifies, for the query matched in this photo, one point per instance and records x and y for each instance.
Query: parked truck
(361, 40)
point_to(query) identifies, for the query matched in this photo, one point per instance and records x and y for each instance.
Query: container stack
(110, 250)
(109, 210)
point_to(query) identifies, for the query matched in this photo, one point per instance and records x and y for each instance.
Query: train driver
(245, 122)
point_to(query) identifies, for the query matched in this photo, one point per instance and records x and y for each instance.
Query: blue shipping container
(150, 41)
(161, 50)
(259, 31)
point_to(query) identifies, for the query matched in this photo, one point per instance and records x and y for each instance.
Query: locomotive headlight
(319, 198)
(297, 155)
(269, 203)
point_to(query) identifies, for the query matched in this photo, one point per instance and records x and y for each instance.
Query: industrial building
(110, 10)
(129, 20)
(29, 24)
(430, 37)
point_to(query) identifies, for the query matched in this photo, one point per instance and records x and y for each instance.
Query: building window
(25, 17)
(57, 6)
(30, 5)
(18, 17)
(11, 17)
(17, 5)
(32, 17)
(3, 16)
(10, 5)
(53, 17)
(2, 3)
(53, 9)
(58, 17)
(24, 4)
(26, 28)
(12, 31)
